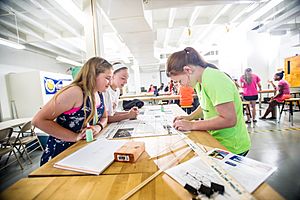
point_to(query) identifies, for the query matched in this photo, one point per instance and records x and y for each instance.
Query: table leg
(259, 103)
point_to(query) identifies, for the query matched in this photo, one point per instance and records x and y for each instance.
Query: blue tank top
(73, 122)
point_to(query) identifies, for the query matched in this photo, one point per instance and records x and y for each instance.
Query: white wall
(147, 78)
(15, 61)
(263, 52)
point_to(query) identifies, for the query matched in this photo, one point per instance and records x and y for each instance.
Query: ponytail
(188, 56)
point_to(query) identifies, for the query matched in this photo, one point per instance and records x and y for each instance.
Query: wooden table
(108, 187)
(134, 96)
(13, 123)
(119, 178)
(143, 164)
(155, 99)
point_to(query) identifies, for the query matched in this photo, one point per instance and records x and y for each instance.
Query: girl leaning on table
(66, 116)
(220, 103)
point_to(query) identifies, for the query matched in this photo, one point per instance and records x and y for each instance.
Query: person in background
(151, 88)
(250, 82)
(161, 88)
(283, 93)
(220, 106)
(112, 94)
(66, 116)
(186, 96)
(171, 85)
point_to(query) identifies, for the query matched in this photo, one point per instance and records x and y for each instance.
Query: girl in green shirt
(220, 103)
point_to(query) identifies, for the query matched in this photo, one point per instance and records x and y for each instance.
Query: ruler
(227, 179)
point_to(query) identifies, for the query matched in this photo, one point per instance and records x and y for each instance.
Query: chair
(27, 140)
(291, 110)
(7, 147)
(187, 109)
(246, 107)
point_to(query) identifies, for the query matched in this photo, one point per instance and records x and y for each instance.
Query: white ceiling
(144, 30)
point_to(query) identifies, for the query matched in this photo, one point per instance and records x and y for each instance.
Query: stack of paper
(93, 158)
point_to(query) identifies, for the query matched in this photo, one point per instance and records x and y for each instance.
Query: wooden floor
(274, 143)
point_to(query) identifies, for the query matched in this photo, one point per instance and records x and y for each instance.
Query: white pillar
(93, 29)
(137, 77)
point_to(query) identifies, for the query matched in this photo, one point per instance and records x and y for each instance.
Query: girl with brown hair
(220, 103)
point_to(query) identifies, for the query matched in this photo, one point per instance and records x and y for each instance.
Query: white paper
(248, 172)
(194, 172)
(93, 158)
(153, 122)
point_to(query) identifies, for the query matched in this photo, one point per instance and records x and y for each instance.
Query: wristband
(101, 126)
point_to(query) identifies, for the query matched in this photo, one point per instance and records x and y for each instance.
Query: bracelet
(101, 126)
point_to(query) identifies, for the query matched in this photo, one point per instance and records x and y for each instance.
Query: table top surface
(13, 123)
(108, 187)
(118, 179)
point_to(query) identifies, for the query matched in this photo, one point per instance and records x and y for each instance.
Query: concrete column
(137, 77)
(93, 29)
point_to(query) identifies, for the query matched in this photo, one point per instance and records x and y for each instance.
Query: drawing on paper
(123, 133)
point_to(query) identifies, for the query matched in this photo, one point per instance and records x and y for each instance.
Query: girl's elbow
(35, 122)
(231, 122)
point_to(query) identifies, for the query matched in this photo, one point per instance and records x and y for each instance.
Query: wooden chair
(187, 109)
(6, 147)
(291, 110)
(27, 140)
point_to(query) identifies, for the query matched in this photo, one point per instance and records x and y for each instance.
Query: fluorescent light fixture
(224, 9)
(68, 61)
(72, 9)
(171, 17)
(194, 16)
(11, 44)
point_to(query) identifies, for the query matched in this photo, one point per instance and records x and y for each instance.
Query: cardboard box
(129, 152)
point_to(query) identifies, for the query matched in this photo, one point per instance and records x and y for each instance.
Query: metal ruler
(227, 178)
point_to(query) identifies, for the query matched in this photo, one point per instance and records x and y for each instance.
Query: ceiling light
(68, 61)
(11, 44)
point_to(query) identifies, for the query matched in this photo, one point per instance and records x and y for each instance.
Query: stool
(246, 106)
(290, 101)
(187, 109)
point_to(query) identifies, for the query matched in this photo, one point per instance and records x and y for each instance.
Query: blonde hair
(86, 80)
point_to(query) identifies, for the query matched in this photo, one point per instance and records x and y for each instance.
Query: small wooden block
(129, 152)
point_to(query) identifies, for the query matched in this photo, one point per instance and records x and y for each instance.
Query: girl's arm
(226, 119)
(119, 116)
(259, 86)
(44, 119)
(196, 114)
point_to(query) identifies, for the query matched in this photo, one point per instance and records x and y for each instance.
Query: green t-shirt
(217, 88)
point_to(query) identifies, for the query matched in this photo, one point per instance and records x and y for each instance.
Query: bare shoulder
(73, 94)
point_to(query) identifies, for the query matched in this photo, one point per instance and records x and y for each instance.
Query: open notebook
(93, 158)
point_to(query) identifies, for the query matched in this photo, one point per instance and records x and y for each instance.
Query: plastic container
(89, 134)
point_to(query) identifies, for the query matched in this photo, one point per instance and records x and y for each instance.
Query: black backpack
(127, 105)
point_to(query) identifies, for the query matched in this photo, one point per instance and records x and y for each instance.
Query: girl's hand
(80, 136)
(133, 113)
(182, 118)
(183, 125)
(95, 128)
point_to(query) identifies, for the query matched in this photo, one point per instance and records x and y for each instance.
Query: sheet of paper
(156, 146)
(93, 158)
(250, 173)
(153, 122)
(194, 172)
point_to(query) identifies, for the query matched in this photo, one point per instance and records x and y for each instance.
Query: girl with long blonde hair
(66, 116)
